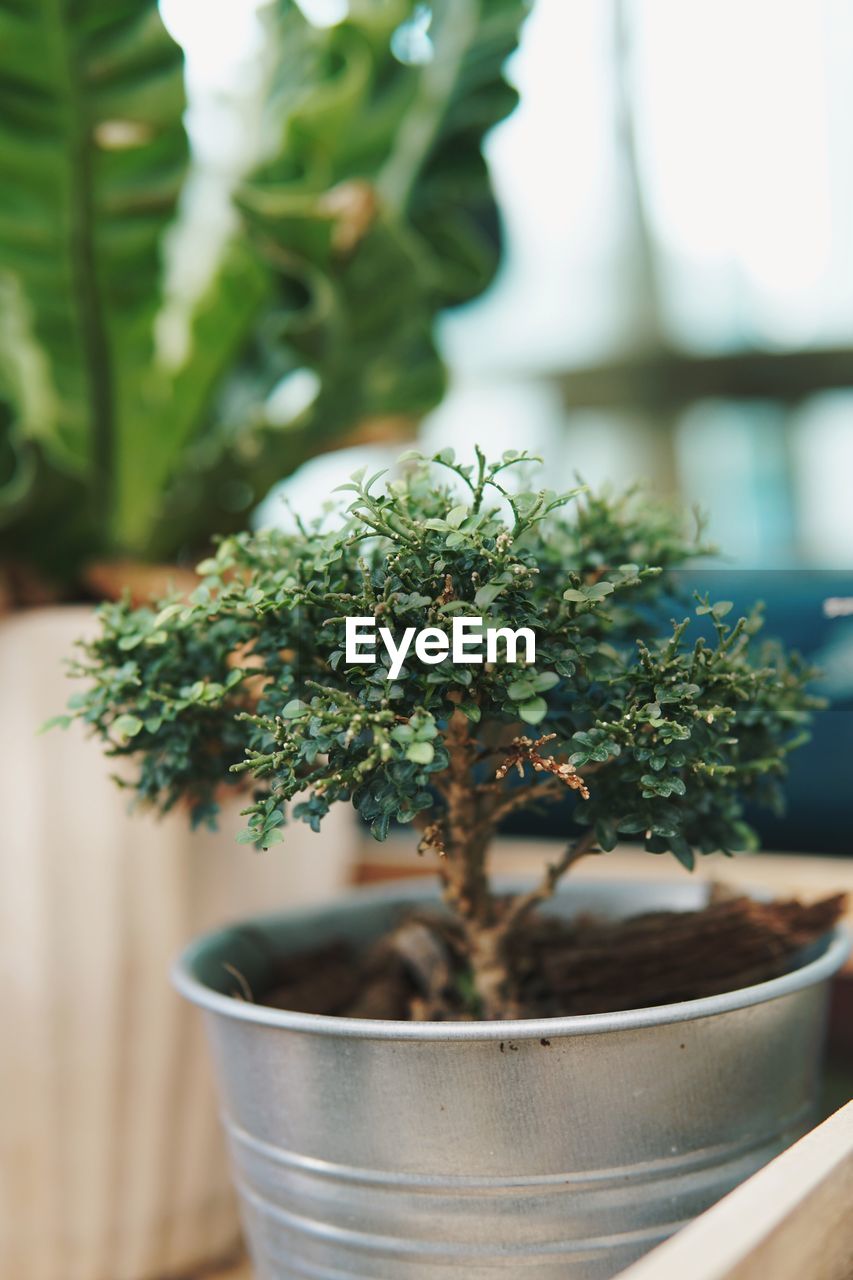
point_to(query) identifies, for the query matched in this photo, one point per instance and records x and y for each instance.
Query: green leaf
(92, 157)
(420, 752)
(606, 834)
(457, 515)
(167, 613)
(534, 711)
(159, 502)
(56, 722)
(127, 726)
(294, 709)
(271, 836)
(632, 824)
(683, 852)
(522, 689)
(487, 594)
(591, 594)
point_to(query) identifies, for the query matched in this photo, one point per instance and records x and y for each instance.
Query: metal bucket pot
(560, 1147)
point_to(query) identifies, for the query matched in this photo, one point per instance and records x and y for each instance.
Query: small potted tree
(415, 1088)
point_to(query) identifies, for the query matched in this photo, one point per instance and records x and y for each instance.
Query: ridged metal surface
(550, 1148)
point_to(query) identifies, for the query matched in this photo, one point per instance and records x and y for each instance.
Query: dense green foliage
(371, 210)
(670, 725)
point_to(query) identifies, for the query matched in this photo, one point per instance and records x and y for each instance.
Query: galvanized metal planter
(563, 1147)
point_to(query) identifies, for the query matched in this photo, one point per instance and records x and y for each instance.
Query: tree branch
(524, 903)
(551, 790)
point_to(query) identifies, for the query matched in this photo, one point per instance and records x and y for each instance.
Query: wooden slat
(792, 1221)
(237, 1270)
(662, 379)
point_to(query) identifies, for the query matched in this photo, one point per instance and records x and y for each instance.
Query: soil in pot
(418, 971)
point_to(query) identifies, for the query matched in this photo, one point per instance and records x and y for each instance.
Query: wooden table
(237, 1271)
(791, 1221)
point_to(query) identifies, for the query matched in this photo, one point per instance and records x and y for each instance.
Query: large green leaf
(351, 109)
(92, 155)
(436, 172)
(170, 422)
(374, 211)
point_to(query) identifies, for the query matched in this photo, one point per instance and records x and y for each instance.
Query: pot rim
(199, 993)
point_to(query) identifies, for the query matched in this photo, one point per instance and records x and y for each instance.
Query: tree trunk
(489, 970)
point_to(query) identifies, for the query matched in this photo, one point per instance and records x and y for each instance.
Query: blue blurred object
(811, 611)
(805, 609)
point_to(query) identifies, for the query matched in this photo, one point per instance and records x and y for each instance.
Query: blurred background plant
(176, 335)
(675, 297)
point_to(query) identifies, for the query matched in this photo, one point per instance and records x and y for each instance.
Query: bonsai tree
(319, 665)
(144, 406)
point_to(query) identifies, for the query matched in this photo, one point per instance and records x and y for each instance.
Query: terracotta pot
(111, 1164)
